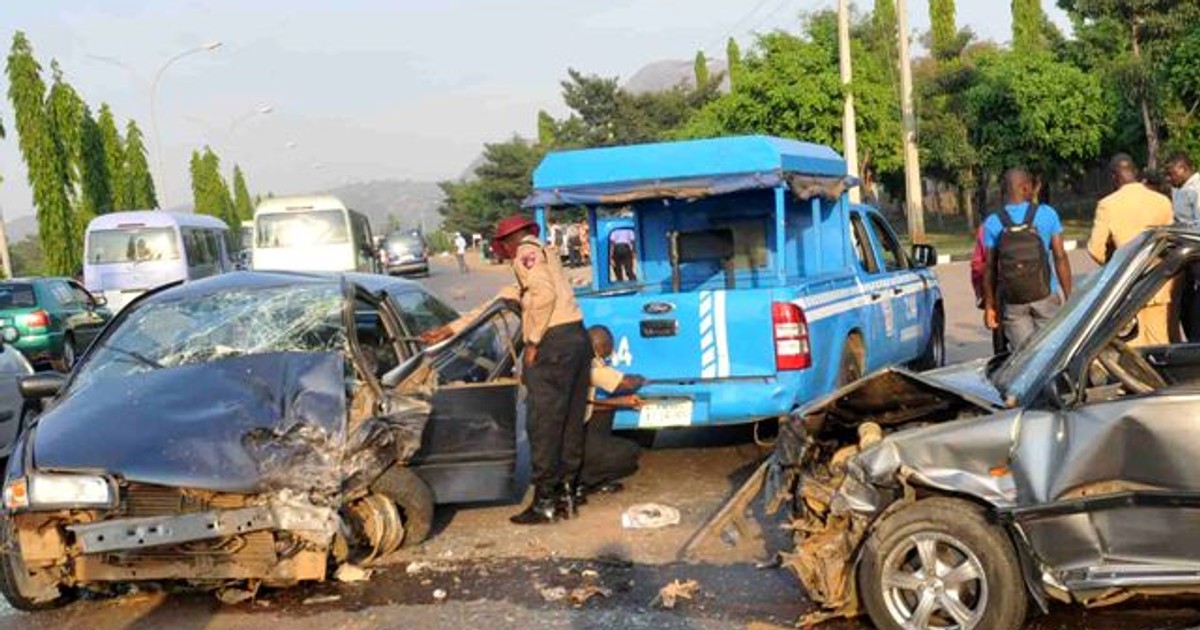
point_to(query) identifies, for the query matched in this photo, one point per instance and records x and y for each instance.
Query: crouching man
(607, 458)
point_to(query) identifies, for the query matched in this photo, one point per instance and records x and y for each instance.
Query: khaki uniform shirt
(605, 377)
(546, 297)
(1123, 215)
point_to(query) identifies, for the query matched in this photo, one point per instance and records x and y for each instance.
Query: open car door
(469, 448)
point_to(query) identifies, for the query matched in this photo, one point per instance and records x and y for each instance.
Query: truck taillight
(37, 319)
(792, 349)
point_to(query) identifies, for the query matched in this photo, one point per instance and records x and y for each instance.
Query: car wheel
(67, 361)
(24, 590)
(935, 351)
(414, 498)
(854, 361)
(937, 564)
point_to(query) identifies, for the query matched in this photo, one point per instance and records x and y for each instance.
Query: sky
(367, 89)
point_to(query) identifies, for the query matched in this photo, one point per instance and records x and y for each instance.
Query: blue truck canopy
(689, 169)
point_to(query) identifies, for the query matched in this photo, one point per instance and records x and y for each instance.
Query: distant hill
(20, 227)
(664, 75)
(414, 204)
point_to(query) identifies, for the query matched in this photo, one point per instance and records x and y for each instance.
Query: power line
(736, 25)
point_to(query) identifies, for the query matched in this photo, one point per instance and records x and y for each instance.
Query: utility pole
(849, 128)
(5, 261)
(912, 160)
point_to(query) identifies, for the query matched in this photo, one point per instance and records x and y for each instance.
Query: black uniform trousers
(557, 388)
(622, 262)
(606, 456)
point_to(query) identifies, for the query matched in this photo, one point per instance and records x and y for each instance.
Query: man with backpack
(1022, 290)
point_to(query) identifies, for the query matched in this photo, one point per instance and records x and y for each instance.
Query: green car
(55, 319)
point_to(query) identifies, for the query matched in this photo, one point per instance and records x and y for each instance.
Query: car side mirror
(924, 256)
(41, 385)
(99, 300)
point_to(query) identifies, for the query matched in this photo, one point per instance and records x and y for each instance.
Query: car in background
(405, 252)
(15, 413)
(317, 233)
(53, 319)
(257, 427)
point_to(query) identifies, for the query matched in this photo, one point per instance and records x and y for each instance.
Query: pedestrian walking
(1185, 205)
(1022, 289)
(460, 253)
(1131, 209)
(557, 359)
(607, 458)
(621, 252)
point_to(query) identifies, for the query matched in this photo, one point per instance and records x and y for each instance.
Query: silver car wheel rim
(69, 355)
(932, 581)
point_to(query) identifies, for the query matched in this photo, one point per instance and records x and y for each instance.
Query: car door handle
(876, 296)
(897, 291)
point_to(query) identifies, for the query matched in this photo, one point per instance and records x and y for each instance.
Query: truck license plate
(665, 413)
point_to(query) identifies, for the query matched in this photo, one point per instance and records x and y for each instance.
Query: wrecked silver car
(259, 429)
(1069, 471)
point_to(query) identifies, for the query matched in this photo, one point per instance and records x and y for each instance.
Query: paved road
(495, 576)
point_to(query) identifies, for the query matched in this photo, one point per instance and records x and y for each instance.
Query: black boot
(567, 504)
(542, 511)
(581, 494)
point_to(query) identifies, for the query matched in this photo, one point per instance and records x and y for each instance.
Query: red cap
(511, 225)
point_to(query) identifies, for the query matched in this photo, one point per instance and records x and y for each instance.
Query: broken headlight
(47, 491)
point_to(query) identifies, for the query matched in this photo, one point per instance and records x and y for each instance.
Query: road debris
(418, 567)
(351, 573)
(440, 595)
(581, 595)
(231, 596)
(321, 599)
(553, 593)
(677, 590)
(649, 516)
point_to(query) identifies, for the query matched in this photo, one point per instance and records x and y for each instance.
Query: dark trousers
(622, 262)
(557, 387)
(606, 457)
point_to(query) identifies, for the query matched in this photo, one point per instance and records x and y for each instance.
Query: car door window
(377, 343)
(893, 256)
(81, 295)
(420, 311)
(862, 245)
(63, 295)
(486, 352)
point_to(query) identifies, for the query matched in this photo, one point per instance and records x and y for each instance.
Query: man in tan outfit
(557, 359)
(1120, 217)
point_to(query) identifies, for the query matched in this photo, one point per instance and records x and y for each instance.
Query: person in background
(1022, 290)
(585, 249)
(557, 362)
(607, 458)
(1155, 180)
(1127, 212)
(978, 263)
(574, 246)
(460, 253)
(621, 245)
(1185, 204)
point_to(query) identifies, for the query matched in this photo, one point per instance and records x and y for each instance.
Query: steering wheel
(1140, 377)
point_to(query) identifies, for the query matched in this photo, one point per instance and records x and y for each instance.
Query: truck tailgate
(711, 334)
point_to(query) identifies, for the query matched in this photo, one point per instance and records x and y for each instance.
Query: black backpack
(1022, 262)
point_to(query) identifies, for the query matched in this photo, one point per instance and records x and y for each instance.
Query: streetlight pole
(849, 128)
(162, 182)
(912, 160)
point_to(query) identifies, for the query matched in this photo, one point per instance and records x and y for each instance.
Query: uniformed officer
(557, 359)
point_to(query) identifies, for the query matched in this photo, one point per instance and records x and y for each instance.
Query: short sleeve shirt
(623, 236)
(1047, 224)
(1185, 201)
(605, 378)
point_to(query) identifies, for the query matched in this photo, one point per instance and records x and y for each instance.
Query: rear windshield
(126, 245)
(421, 311)
(404, 243)
(14, 295)
(302, 229)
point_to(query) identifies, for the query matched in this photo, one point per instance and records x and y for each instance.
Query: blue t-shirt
(1046, 223)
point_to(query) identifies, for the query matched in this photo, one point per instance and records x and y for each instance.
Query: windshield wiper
(137, 356)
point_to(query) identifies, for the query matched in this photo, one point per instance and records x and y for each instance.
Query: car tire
(66, 362)
(934, 355)
(978, 576)
(854, 361)
(14, 577)
(414, 498)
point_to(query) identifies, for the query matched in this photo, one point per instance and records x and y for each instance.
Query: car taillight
(792, 349)
(37, 319)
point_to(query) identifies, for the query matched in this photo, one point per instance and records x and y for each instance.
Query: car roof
(238, 280)
(313, 202)
(154, 218)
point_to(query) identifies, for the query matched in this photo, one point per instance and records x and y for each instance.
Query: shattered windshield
(1025, 370)
(199, 329)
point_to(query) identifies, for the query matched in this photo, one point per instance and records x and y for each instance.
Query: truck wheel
(854, 361)
(414, 498)
(24, 590)
(938, 563)
(935, 351)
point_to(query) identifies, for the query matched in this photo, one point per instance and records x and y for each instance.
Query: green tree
(1028, 26)
(1036, 111)
(943, 28)
(66, 111)
(28, 258)
(546, 129)
(1181, 74)
(700, 70)
(137, 183)
(502, 181)
(884, 30)
(114, 157)
(210, 193)
(243, 207)
(40, 152)
(733, 59)
(95, 180)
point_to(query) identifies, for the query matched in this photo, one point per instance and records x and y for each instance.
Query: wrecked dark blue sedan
(256, 429)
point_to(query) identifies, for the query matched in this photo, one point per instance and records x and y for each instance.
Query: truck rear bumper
(722, 402)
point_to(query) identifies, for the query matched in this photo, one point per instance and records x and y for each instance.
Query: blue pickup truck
(759, 286)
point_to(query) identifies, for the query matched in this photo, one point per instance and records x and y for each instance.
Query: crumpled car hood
(968, 378)
(233, 425)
